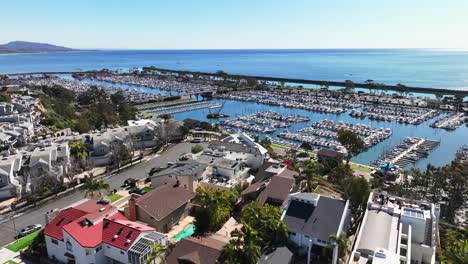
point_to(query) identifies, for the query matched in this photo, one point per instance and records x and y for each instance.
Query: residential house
(328, 154)
(89, 232)
(196, 250)
(280, 255)
(397, 230)
(103, 144)
(273, 190)
(311, 219)
(10, 182)
(162, 207)
(47, 159)
(187, 173)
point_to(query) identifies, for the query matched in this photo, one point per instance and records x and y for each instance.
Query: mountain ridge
(31, 47)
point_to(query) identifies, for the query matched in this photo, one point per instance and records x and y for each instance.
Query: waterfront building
(397, 230)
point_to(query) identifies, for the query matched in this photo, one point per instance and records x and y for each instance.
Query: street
(139, 171)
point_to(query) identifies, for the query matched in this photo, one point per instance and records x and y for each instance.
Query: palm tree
(245, 248)
(93, 188)
(251, 248)
(157, 252)
(342, 242)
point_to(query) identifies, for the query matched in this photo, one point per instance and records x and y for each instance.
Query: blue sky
(239, 24)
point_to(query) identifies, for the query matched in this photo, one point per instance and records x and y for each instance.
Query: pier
(449, 122)
(182, 108)
(409, 151)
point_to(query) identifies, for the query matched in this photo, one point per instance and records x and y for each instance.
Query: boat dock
(449, 122)
(182, 108)
(409, 151)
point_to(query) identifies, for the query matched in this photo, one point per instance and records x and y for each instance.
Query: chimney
(132, 209)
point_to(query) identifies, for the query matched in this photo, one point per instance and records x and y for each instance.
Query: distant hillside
(31, 47)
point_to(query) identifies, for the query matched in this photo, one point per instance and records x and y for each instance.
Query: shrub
(197, 149)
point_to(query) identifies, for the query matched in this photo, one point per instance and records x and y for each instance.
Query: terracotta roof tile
(65, 217)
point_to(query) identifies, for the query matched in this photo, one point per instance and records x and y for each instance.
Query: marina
(273, 119)
(328, 129)
(169, 110)
(450, 122)
(252, 102)
(411, 150)
(406, 115)
(279, 98)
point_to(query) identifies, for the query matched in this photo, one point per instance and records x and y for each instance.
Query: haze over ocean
(412, 67)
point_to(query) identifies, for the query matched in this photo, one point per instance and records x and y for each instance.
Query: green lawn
(279, 146)
(360, 167)
(10, 262)
(147, 189)
(114, 197)
(23, 242)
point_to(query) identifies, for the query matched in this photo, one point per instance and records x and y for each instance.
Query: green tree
(266, 220)
(157, 253)
(245, 248)
(351, 141)
(342, 242)
(197, 149)
(215, 208)
(93, 188)
(357, 190)
(117, 98)
(455, 247)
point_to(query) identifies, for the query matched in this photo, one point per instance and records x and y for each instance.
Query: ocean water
(424, 68)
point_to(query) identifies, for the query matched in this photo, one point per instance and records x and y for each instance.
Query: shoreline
(44, 52)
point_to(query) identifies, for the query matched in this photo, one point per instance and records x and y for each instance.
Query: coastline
(45, 52)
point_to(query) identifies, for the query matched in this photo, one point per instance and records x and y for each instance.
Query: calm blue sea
(426, 68)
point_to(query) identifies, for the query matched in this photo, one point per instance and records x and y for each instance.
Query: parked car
(170, 164)
(29, 230)
(196, 140)
(129, 182)
(137, 191)
(155, 170)
(103, 201)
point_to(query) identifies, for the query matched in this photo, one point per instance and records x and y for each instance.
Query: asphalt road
(138, 171)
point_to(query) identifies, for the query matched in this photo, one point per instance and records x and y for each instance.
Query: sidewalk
(8, 255)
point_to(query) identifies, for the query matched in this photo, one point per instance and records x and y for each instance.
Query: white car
(29, 229)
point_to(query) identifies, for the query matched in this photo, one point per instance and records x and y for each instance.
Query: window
(54, 241)
(98, 249)
(89, 252)
(121, 252)
(292, 233)
(69, 246)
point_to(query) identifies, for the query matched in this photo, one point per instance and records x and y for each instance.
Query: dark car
(137, 191)
(103, 201)
(155, 170)
(129, 182)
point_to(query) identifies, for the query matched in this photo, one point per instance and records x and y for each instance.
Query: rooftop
(319, 222)
(163, 200)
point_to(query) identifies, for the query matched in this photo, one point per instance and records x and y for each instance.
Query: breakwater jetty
(345, 84)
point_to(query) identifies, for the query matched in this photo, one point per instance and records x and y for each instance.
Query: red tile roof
(78, 223)
(65, 217)
(87, 236)
(122, 233)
